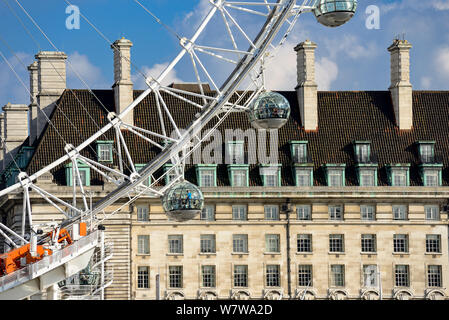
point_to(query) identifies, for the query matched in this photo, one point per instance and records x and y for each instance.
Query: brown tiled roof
(343, 117)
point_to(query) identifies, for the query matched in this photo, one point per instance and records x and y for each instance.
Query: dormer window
(84, 171)
(104, 151)
(139, 167)
(169, 177)
(426, 151)
(362, 151)
(335, 174)
(238, 175)
(271, 175)
(206, 175)
(398, 174)
(367, 177)
(298, 150)
(431, 166)
(235, 153)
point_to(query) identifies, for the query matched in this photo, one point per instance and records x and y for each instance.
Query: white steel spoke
(224, 50)
(182, 98)
(168, 113)
(197, 75)
(265, 3)
(92, 164)
(125, 147)
(48, 195)
(205, 71)
(228, 29)
(216, 56)
(240, 28)
(246, 10)
(143, 137)
(204, 96)
(80, 182)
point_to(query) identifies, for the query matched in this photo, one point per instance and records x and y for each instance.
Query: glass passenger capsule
(183, 201)
(270, 110)
(334, 13)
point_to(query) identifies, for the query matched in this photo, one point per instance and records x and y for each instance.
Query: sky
(351, 57)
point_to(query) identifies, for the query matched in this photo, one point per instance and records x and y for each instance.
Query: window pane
(434, 276)
(305, 275)
(208, 213)
(239, 212)
(336, 212)
(241, 276)
(370, 276)
(304, 243)
(272, 243)
(208, 276)
(271, 212)
(367, 178)
(272, 276)
(433, 243)
(240, 243)
(336, 243)
(335, 178)
(175, 276)
(431, 178)
(368, 243)
(399, 178)
(402, 278)
(367, 212)
(239, 178)
(143, 242)
(142, 213)
(432, 212)
(304, 212)
(337, 275)
(400, 243)
(175, 244)
(400, 212)
(207, 178)
(207, 243)
(142, 277)
(105, 152)
(303, 178)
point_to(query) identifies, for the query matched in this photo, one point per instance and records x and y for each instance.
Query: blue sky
(351, 57)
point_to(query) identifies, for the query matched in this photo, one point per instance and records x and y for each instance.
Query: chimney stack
(14, 130)
(34, 90)
(51, 84)
(123, 86)
(307, 88)
(401, 88)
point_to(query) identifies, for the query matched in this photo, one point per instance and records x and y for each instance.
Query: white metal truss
(245, 56)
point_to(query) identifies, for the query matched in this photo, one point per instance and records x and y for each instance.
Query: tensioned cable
(74, 70)
(57, 105)
(20, 80)
(159, 21)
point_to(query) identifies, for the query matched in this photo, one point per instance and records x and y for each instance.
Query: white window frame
(143, 244)
(271, 212)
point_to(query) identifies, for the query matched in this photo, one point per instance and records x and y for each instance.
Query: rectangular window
(399, 178)
(105, 152)
(433, 243)
(400, 243)
(207, 243)
(272, 243)
(305, 275)
(370, 275)
(271, 212)
(236, 153)
(432, 212)
(300, 153)
(273, 276)
(337, 275)
(240, 276)
(303, 178)
(336, 243)
(368, 243)
(304, 243)
(240, 243)
(271, 180)
(143, 244)
(335, 178)
(208, 276)
(270, 176)
(143, 277)
(400, 212)
(304, 212)
(175, 276)
(239, 178)
(434, 276)
(431, 178)
(402, 276)
(239, 212)
(426, 151)
(208, 213)
(175, 244)
(362, 151)
(207, 178)
(336, 212)
(367, 178)
(142, 213)
(367, 212)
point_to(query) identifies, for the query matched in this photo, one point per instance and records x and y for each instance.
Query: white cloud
(426, 82)
(79, 66)
(281, 71)
(11, 89)
(441, 4)
(442, 61)
(351, 46)
(326, 73)
(154, 72)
